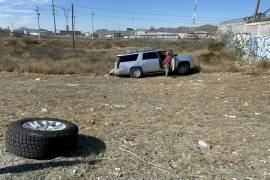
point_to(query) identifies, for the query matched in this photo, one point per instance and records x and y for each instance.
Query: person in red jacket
(168, 61)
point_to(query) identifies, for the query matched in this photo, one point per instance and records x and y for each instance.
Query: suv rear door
(150, 62)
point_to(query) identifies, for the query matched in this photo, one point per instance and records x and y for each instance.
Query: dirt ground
(145, 128)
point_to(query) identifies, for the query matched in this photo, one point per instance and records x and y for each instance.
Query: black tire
(136, 72)
(183, 68)
(38, 144)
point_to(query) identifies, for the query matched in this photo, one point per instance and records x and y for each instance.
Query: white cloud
(29, 2)
(19, 12)
(5, 16)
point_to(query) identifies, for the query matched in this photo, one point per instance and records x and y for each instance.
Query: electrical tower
(38, 17)
(66, 13)
(53, 12)
(257, 9)
(194, 16)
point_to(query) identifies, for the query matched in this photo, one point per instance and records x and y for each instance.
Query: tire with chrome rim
(136, 72)
(41, 138)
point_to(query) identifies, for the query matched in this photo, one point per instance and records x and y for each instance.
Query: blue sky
(120, 14)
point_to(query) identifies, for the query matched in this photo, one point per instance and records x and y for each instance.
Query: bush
(207, 57)
(223, 61)
(29, 41)
(216, 46)
(263, 64)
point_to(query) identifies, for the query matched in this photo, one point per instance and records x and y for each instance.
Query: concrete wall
(253, 37)
(255, 29)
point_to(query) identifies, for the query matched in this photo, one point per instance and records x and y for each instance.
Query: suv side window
(128, 58)
(150, 55)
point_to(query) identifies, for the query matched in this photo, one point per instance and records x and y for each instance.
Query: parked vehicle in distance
(149, 61)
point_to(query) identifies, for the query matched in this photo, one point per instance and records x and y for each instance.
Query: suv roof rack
(140, 50)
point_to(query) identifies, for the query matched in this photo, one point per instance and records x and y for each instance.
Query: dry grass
(55, 56)
(69, 66)
(258, 67)
(222, 61)
(160, 120)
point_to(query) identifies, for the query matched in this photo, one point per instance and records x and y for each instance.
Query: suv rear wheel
(136, 72)
(183, 68)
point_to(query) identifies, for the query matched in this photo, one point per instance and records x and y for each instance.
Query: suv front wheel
(136, 72)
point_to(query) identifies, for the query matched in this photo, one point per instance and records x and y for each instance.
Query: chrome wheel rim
(136, 73)
(44, 125)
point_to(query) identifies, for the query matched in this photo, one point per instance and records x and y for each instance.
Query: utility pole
(73, 28)
(92, 30)
(38, 15)
(257, 9)
(194, 16)
(53, 9)
(66, 13)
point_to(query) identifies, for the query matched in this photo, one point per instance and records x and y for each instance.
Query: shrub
(29, 41)
(207, 57)
(263, 64)
(216, 46)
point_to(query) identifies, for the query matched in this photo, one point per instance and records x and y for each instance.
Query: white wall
(253, 37)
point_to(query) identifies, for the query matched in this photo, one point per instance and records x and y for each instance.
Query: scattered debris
(119, 106)
(72, 85)
(92, 123)
(230, 116)
(44, 110)
(203, 145)
(74, 171)
(149, 163)
(266, 173)
(197, 82)
(246, 104)
(159, 108)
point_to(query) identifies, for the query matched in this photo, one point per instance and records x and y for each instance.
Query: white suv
(148, 61)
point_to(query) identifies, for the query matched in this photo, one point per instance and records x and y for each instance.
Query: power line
(152, 14)
(145, 19)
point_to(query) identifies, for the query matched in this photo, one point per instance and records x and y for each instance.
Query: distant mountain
(22, 29)
(181, 29)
